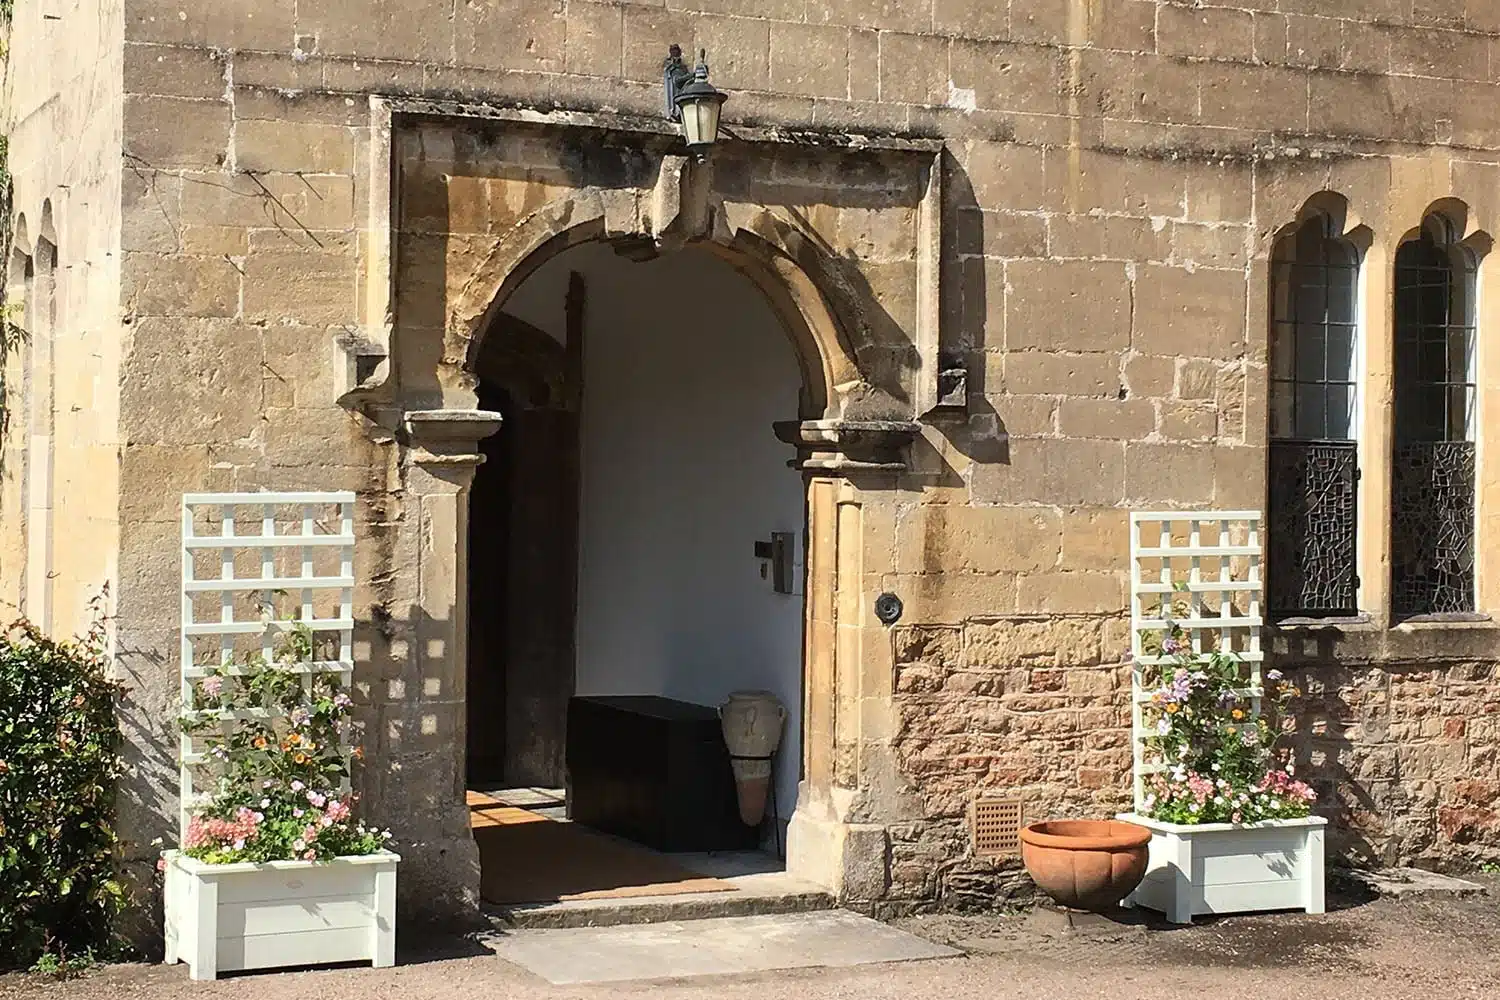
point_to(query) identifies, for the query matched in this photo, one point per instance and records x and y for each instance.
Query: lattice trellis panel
(255, 565)
(1209, 561)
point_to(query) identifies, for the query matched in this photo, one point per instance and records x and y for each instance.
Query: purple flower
(1273, 675)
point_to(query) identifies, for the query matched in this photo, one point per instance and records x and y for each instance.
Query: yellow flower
(1238, 713)
(293, 738)
(1230, 730)
(260, 742)
(1171, 709)
(300, 758)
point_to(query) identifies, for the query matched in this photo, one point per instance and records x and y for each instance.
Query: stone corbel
(448, 437)
(680, 209)
(848, 445)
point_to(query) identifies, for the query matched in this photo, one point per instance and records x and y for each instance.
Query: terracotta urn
(752, 722)
(1086, 864)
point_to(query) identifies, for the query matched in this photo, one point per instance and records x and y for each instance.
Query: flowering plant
(274, 739)
(1221, 760)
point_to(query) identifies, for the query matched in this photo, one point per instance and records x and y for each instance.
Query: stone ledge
(1409, 883)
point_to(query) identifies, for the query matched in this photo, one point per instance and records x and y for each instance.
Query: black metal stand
(773, 812)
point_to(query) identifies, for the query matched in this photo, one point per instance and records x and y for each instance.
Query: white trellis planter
(1213, 559)
(234, 917)
(227, 918)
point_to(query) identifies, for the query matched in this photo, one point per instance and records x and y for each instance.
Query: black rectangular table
(655, 771)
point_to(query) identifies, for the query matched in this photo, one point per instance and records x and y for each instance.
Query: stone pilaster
(423, 718)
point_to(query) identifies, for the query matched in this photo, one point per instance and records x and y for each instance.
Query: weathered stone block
(1065, 472)
(1012, 235)
(1038, 372)
(1172, 474)
(1009, 77)
(511, 35)
(1148, 375)
(178, 286)
(232, 24)
(1118, 419)
(293, 147)
(310, 286)
(971, 18)
(165, 132)
(1059, 593)
(1450, 54)
(956, 597)
(165, 70)
(913, 68)
(1095, 540)
(1115, 237)
(594, 43)
(1125, 24)
(738, 49)
(977, 539)
(1188, 422)
(191, 383)
(1214, 33)
(1007, 175)
(1189, 313)
(1067, 305)
(810, 59)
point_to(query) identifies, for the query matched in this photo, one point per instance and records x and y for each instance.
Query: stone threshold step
(767, 901)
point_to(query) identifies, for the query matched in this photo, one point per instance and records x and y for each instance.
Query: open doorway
(622, 573)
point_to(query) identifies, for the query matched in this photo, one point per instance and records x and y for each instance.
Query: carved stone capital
(448, 437)
(848, 445)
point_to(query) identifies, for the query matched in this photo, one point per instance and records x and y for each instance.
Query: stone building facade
(1026, 254)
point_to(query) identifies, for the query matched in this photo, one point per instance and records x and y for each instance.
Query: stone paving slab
(828, 939)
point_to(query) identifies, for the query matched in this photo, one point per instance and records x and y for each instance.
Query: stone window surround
(1375, 431)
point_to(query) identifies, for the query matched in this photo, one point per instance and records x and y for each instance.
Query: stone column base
(438, 882)
(850, 860)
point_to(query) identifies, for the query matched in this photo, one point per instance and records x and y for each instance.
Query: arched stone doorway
(847, 305)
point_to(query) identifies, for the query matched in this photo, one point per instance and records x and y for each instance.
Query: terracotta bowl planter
(1086, 864)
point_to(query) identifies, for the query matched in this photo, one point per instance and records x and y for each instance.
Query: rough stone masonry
(241, 272)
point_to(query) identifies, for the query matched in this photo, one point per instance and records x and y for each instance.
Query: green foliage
(60, 965)
(59, 761)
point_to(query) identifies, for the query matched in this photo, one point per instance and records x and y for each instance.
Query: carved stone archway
(850, 437)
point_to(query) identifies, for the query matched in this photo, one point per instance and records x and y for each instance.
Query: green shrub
(59, 761)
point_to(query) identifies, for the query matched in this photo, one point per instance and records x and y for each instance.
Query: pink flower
(310, 856)
(297, 786)
(212, 686)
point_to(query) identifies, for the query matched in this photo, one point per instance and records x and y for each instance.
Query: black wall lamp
(692, 100)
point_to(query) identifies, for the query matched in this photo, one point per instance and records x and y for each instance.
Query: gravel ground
(1442, 948)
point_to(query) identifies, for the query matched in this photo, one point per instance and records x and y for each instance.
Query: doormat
(526, 858)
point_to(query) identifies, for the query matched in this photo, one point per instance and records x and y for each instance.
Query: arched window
(1310, 559)
(1432, 490)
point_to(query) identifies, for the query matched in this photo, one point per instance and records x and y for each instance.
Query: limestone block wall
(58, 516)
(1115, 174)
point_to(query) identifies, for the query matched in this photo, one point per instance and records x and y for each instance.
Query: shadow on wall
(978, 434)
(409, 709)
(1388, 754)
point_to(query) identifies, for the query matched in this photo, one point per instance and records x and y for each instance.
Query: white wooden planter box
(1231, 867)
(225, 918)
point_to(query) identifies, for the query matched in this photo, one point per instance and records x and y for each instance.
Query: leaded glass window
(1310, 559)
(1432, 490)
